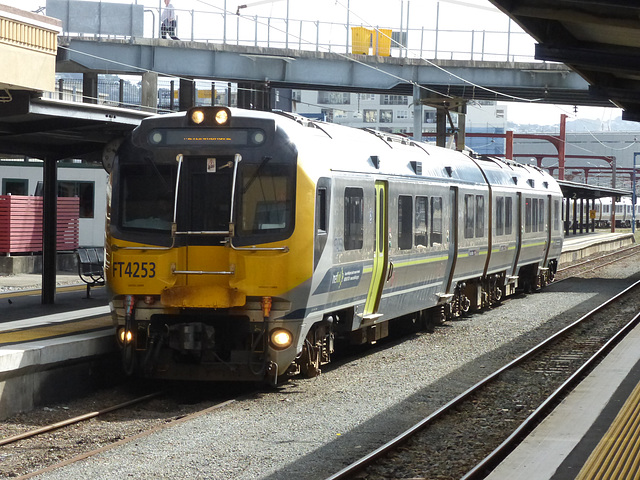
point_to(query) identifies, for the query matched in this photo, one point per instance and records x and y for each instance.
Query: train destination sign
(206, 136)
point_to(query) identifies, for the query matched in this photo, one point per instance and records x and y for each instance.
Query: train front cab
(206, 242)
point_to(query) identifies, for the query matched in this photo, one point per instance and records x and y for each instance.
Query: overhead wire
(435, 65)
(349, 58)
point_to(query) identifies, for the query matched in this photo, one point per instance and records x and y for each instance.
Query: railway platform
(577, 247)
(48, 350)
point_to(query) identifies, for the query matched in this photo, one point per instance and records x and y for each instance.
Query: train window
(210, 185)
(541, 215)
(15, 186)
(405, 222)
(147, 196)
(436, 220)
(479, 216)
(508, 215)
(500, 216)
(267, 197)
(353, 218)
(83, 190)
(556, 215)
(527, 215)
(469, 214)
(420, 237)
(534, 215)
(321, 210)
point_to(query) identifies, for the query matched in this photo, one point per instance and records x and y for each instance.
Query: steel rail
(359, 465)
(495, 457)
(617, 252)
(78, 419)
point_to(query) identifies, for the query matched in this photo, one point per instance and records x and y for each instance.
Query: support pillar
(441, 127)
(149, 91)
(508, 154)
(49, 230)
(187, 94)
(90, 87)
(262, 97)
(561, 145)
(417, 114)
(244, 95)
(461, 139)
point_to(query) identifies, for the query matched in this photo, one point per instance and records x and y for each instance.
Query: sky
(454, 19)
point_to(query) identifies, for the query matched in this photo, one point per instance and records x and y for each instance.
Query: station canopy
(598, 39)
(590, 192)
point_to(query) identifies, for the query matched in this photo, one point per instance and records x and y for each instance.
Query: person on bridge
(168, 21)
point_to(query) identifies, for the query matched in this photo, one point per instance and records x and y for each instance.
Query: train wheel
(317, 350)
(310, 363)
(497, 295)
(465, 304)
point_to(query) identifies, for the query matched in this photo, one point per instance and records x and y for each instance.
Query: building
(394, 114)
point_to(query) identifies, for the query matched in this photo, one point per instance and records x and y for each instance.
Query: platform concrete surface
(23, 281)
(577, 247)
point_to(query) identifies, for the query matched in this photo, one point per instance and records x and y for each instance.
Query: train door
(519, 230)
(452, 238)
(381, 250)
(548, 225)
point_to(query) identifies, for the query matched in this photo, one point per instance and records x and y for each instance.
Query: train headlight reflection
(280, 338)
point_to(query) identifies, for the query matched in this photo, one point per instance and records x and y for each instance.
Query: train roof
(373, 152)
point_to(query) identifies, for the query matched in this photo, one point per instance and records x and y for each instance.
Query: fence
(21, 224)
(225, 27)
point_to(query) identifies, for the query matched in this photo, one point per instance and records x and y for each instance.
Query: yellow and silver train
(241, 245)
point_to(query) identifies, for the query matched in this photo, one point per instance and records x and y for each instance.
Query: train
(623, 212)
(249, 246)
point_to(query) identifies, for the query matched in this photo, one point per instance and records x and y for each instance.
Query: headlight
(209, 116)
(222, 117)
(197, 116)
(280, 338)
(125, 336)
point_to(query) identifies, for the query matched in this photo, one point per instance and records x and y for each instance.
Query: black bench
(90, 266)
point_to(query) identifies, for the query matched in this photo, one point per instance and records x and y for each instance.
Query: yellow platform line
(55, 330)
(617, 454)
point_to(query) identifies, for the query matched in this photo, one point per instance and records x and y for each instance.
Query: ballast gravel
(310, 429)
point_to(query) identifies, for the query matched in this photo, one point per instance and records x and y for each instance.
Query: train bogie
(245, 249)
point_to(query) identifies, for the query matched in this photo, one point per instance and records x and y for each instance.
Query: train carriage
(240, 245)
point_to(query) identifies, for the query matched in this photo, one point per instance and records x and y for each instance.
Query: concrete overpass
(300, 69)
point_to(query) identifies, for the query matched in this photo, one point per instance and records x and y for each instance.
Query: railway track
(39, 450)
(491, 417)
(595, 262)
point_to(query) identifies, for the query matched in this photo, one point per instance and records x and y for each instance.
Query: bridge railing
(225, 27)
